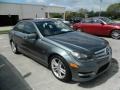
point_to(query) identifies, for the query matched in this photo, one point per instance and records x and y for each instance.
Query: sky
(71, 4)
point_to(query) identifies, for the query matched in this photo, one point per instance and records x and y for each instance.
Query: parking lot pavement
(42, 79)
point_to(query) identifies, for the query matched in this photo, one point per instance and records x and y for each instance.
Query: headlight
(79, 55)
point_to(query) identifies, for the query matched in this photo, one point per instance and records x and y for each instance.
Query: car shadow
(107, 37)
(97, 81)
(102, 78)
(10, 77)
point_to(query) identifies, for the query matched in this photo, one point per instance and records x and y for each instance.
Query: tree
(114, 10)
(55, 15)
(83, 12)
(69, 15)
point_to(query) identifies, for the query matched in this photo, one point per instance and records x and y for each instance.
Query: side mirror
(31, 36)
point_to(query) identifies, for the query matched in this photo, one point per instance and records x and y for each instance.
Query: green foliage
(70, 14)
(114, 10)
(56, 15)
(4, 31)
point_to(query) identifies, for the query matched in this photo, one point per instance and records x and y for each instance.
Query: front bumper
(89, 70)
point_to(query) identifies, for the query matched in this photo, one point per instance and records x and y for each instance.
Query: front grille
(103, 53)
(103, 68)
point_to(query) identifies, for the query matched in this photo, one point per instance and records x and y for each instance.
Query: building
(10, 13)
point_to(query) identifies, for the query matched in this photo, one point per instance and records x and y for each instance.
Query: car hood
(78, 40)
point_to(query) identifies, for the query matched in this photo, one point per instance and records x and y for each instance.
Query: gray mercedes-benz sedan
(70, 55)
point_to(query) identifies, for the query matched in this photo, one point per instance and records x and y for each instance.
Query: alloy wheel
(58, 68)
(115, 34)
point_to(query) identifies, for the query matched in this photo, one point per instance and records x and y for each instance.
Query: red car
(99, 26)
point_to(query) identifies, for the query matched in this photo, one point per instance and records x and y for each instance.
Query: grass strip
(4, 31)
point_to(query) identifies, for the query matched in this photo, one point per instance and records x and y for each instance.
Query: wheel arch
(50, 56)
(112, 31)
(65, 63)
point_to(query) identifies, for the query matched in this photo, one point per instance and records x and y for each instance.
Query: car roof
(38, 20)
(96, 17)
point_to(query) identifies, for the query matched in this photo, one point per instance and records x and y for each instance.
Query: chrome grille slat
(97, 52)
(103, 53)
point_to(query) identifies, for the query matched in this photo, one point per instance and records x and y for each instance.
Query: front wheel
(115, 34)
(60, 69)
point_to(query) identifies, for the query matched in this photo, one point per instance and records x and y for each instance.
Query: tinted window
(97, 21)
(19, 27)
(29, 28)
(48, 28)
(87, 21)
(107, 20)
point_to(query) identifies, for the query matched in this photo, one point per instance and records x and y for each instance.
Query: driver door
(35, 47)
(92, 26)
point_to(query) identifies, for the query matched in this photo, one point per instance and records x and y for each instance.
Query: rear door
(28, 44)
(21, 30)
(18, 35)
(97, 26)
(87, 26)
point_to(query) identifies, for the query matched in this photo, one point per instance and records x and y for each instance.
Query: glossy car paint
(42, 48)
(97, 28)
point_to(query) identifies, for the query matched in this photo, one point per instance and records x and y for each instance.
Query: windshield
(107, 20)
(49, 28)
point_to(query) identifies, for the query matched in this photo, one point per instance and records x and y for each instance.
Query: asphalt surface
(40, 78)
(10, 78)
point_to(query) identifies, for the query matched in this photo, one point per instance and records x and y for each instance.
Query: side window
(87, 21)
(97, 21)
(19, 27)
(29, 28)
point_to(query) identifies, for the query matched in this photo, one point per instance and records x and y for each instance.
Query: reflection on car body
(99, 26)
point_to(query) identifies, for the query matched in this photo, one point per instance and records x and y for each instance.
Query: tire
(115, 34)
(60, 68)
(14, 48)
